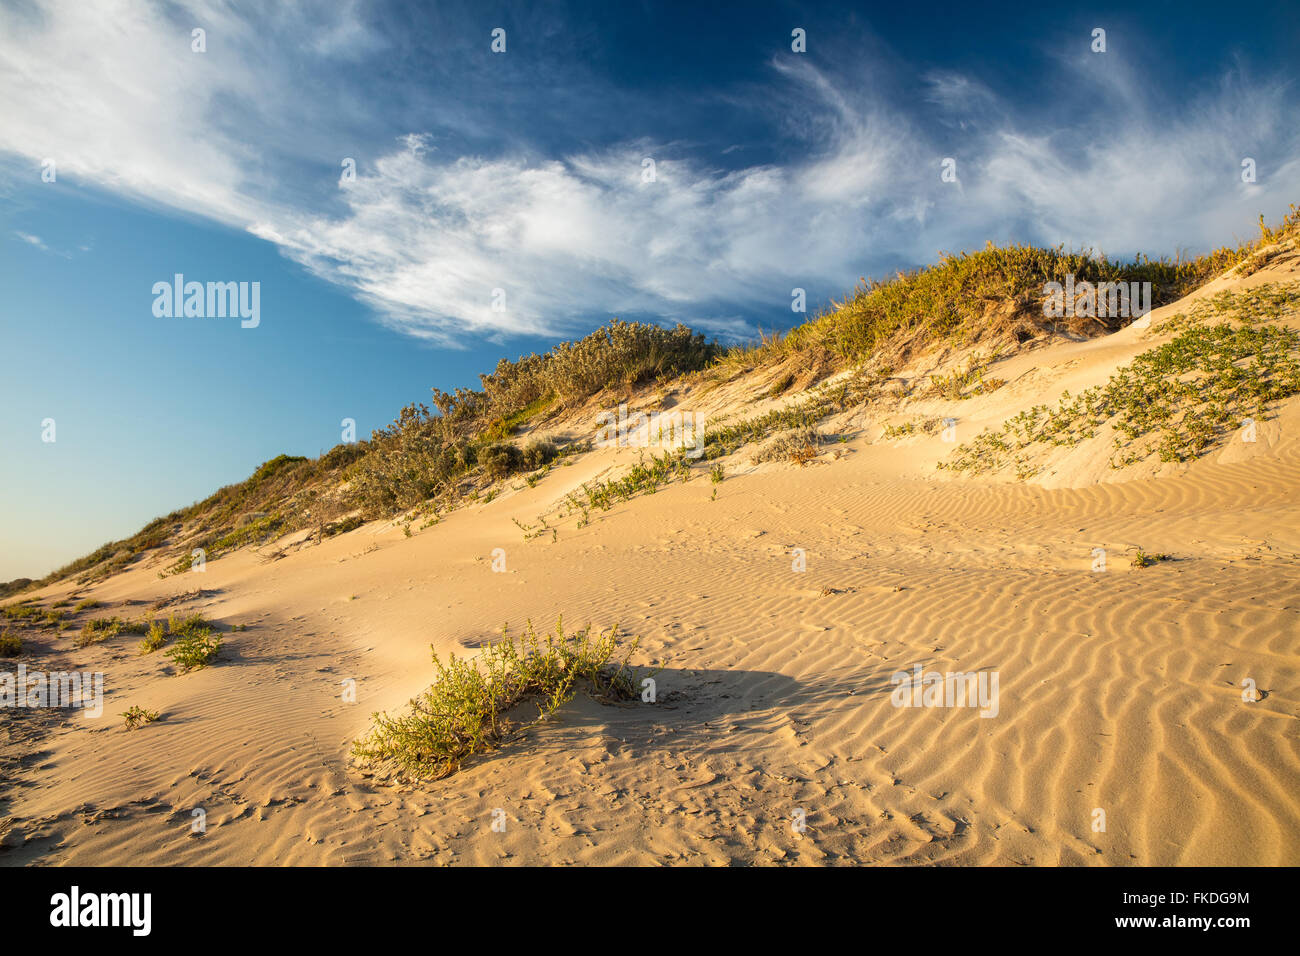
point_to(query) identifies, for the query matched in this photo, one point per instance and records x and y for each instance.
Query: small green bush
(155, 639)
(1143, 560)
(193, 649)
(102, 628)
(11, 645)
(538, 453)
(500, 459)
(194, 644)
(138, 716)
(465, 711)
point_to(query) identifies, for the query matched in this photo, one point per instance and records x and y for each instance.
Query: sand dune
(1120, 691)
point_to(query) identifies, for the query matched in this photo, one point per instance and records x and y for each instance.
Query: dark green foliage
(538, 453)
(500, 459)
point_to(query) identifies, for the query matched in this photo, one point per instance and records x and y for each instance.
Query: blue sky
(523, 171)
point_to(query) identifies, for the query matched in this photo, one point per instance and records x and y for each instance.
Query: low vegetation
(468, 710)
(22, 612)
(138, 716)
(103, 628)
(1143, 560)
(194, 643)
(11, 645)
(1175, 401)
(154, 639)
(966, 382)
(798, 445)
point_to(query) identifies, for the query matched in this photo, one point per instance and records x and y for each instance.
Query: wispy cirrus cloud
(431, 227)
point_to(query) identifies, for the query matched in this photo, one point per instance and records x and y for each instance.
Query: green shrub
(11, 645)
(1143, 560)
(194, 649)
(409, 462)
(503, 427)
(155, 639)
(137, 716)
(98, 629)
(500, 459)
(464, 712)
(538, 453)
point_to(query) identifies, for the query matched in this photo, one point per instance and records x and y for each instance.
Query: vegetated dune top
(1120, 690)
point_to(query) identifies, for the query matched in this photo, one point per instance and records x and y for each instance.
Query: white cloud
(113, 92)
(33, 240)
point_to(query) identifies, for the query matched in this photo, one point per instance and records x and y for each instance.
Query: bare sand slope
(1119, 690)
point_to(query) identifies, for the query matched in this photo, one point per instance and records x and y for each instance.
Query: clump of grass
(619, 354)
(780, 386)
(717, 472)
(901, 430)
(102, 628)
(1143, 560)
(963, 383)
(11, 645)
(155, 639)
(179, 566)
(466, 711)
(98, 629)
(504, 426)
(798, 445)
(22, 611)
(138, 716)
(925, 426)
(85, 605)
(342, 526)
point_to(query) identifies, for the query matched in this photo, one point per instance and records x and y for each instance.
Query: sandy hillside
(1120, 690)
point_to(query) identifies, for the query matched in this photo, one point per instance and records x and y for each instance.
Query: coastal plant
(500, 459)
(1181, 398)
(155, 639)
(798, 445)
(194, 644)
(1143, 560)
(469, 708)
(138, 716)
